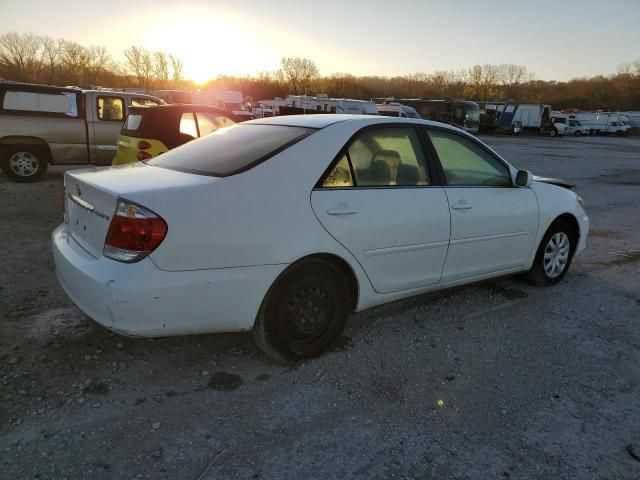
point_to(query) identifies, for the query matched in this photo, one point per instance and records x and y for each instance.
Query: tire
(559, 243)
(578, 133)
(303, 313)
(619, 133)
(24, 163)
(553, 132)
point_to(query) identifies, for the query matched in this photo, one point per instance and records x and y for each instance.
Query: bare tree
(299, 72)
(177, 70)
(98, 61)
(21, 55)
(139, 63)
(161, 69)
(74, 62)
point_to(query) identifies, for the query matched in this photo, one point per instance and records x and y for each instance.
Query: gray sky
(558, 39)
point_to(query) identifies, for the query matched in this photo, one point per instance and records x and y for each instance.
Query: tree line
(41, 59)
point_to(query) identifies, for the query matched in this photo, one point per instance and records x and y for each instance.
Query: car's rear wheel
(578, 133)
(554, 255)
(304, 312)
(24, 163)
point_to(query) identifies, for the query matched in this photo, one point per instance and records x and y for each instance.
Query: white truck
(320, 103)
(600, 123)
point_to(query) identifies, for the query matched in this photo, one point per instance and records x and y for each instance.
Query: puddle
(604, 233)
(622, 258)
(224, 382)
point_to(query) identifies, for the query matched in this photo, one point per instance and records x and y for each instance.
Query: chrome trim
(84, 204)
(110, 148)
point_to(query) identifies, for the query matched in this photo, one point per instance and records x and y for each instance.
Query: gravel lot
(496, 380)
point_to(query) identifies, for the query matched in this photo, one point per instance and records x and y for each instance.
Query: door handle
(342, 210)
(462, 205)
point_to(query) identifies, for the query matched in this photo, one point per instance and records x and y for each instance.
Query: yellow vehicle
(149, 131)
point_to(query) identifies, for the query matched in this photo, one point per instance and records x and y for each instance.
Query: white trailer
(320, 104)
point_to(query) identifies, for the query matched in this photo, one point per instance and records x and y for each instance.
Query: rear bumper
(139, 299)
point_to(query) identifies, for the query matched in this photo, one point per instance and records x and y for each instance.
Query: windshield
(231, 150)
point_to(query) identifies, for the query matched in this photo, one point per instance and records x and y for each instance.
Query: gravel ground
(495, 380)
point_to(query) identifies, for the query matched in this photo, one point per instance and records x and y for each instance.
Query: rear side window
(63, 103)
(133, 122)
(231, 150)
(141, 102)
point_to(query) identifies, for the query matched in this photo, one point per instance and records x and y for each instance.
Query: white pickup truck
(41, 124)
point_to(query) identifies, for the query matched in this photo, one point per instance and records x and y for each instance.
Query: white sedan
(285, 225)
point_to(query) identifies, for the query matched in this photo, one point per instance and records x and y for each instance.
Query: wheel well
(573, 224)
(344, 268)
(7, 142)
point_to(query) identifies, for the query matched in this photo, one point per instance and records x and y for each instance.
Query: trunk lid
(91, 197)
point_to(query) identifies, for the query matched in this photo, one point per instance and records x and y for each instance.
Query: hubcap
(308, 313)
(24, 164)
(556, 254)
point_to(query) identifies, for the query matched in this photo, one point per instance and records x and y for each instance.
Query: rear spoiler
(554, 181)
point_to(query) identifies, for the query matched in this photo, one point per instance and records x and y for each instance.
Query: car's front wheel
(24, 163)
(554, 255)
(304, 312)
(578, 133)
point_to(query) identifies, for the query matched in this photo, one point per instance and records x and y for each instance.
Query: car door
(493, 223)
(105, 123)
(380, 201)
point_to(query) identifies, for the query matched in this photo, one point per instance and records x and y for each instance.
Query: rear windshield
(231, 150)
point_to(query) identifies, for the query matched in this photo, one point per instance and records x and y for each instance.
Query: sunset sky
(555, 39)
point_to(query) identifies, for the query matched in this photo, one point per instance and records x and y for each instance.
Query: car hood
(554, 181)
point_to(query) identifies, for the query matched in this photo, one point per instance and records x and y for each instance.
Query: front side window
(381, 157)
(465, 163)
(231, 150)
(210, 122)
(111, 109)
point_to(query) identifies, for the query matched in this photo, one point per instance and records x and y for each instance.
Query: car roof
(324, 120)
(178, 107)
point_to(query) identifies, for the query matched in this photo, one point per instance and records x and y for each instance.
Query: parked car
(283, 225)
(150, 131)
(574, 127)
(41, 124)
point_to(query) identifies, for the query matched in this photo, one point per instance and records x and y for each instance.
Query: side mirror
(524, 178)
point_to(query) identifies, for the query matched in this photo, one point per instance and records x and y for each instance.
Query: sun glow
(210, 43)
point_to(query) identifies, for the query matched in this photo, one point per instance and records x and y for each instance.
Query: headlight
(580, 200)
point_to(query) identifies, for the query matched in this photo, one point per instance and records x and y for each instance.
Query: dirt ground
(495, 380)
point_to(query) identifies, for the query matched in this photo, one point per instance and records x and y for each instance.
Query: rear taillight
(134, 233)
(143, 145)
(144, 156)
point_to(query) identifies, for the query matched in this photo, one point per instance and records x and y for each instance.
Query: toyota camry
(284, 225)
